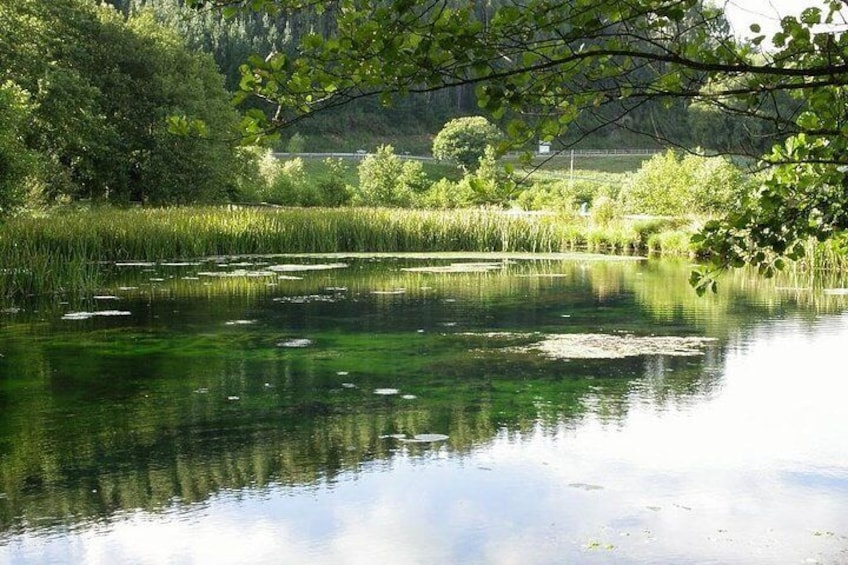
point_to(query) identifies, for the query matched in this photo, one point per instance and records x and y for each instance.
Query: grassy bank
(63, 251)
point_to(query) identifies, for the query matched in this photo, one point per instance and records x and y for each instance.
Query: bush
(446, 194)
(671, 242)
(331, 187)
(560, 195)
(463, 141)
(604, 211)
(387, 180)
(490, 183)
(670, 186)
(247, 182)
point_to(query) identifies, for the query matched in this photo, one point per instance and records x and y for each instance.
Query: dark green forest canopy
(543, 65)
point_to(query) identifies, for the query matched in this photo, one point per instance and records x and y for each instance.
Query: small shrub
(331, 186)
(490, 183)
(386, 180)
(604, 211)
(670, 186)
(447, 194)
(675, 242)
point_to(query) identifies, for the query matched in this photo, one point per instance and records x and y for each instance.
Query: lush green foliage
(568, 192)
(16, 159)
(387, 180)
(463, 141)
(99, 90)
(671, 185)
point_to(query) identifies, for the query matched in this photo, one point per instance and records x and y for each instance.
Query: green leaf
(811, 16)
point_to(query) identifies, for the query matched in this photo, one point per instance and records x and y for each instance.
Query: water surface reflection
(181, 438)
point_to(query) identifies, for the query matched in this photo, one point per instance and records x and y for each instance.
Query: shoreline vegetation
(64, 251)
(67, 251)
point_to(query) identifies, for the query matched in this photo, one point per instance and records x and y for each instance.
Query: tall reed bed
(830, 255)
(63, 251)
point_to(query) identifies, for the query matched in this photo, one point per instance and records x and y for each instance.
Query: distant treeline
(232, 40)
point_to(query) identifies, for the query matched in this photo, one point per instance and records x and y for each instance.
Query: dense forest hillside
(410, 122)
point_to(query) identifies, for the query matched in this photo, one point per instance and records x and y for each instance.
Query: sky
(767, 13)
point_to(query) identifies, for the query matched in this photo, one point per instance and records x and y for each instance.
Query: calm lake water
(365, 410)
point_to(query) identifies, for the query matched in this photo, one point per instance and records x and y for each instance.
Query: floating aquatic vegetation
(501, 335)
(298, 342)
(425, 438)
(135, 264)
(239, 322)
(88, 315)
(296, 268)
(606, 346)
(393, 436)
(418, 438)
(307, 299)
(386, 391)
(238, 273)
(457, 268)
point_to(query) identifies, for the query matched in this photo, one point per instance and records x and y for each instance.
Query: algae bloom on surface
(615, 346)
(289, 268)
(295, 343)
(457, 268)
(89, 315)
(425, 438)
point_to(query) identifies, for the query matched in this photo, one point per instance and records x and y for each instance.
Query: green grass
(63, 251)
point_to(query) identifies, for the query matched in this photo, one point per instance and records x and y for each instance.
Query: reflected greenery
(197, 391)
